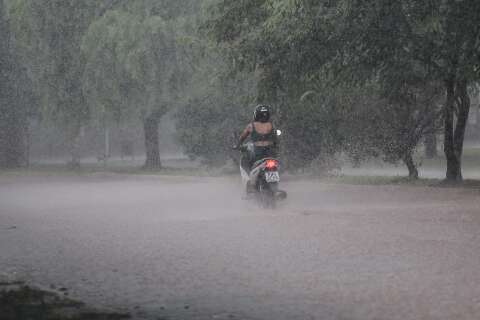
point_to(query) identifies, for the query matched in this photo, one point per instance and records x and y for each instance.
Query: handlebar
(241, 148)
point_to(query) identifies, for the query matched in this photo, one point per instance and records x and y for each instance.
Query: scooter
(262, 180)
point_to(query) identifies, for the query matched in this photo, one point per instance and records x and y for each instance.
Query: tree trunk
(28, 142)
(412, 168)
(455, 134)
(12, 139)
(453, 163)
(73, 140)
(431, 146)
(462, 120)
(150, 127)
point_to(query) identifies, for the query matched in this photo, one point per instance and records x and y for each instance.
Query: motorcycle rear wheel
(266, 197)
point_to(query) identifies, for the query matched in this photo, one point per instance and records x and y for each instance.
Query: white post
(106, 153)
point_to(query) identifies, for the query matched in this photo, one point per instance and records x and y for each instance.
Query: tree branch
(109, 6)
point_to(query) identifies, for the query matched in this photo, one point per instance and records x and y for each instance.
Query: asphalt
(191, 248)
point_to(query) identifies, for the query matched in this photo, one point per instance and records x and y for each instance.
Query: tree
(255, 41)
(393, 125)
(133, 66)
(208, 122)
(355, 42)
(49, 35)
(217, 102)
(443, 37)
(17, 101)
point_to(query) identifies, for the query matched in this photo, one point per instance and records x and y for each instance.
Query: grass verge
(386, 180)
(86, 170)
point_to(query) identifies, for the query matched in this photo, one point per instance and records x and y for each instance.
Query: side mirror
(279, 133)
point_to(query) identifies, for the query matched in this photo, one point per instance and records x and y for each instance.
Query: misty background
(362, 90)
(99, 81)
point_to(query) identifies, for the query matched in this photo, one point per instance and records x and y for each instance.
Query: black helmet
(262, 113)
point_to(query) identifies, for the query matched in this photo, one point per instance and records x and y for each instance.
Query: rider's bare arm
(245, 134)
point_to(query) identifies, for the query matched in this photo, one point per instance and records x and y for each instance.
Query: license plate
(272, 177)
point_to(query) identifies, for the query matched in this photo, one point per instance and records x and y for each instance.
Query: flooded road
(190, 248)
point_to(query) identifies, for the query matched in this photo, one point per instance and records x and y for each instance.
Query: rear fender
(256, 172)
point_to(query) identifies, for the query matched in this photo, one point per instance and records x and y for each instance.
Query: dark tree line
(405, 57)
(364, 79)
(17, 101)
(102, 61)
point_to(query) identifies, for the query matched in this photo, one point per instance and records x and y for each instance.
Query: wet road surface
(190, 248)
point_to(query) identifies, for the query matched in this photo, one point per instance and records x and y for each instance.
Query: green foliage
(214, 104)
(130, 65)
(137, 64)
(207, 124)
(376, 67)
(135, 58)
(361, 77)
(49, 34)
(17, 100)
(391, 126)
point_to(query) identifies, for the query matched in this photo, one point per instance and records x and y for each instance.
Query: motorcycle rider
(262, 134)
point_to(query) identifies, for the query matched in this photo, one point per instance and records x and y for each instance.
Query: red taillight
(271, 164)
